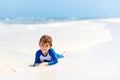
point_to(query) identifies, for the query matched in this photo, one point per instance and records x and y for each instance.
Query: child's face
(44, 47)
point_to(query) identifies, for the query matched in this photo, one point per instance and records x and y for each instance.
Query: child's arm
(37, 60)
(54, 57)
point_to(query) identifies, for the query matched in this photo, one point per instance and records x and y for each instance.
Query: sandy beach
(93, 46)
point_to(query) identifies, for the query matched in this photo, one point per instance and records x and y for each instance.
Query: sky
(59, 8)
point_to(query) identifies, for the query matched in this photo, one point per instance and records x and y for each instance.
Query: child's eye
(46, 45)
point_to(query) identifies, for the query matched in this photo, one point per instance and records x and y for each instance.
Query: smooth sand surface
(93, 46)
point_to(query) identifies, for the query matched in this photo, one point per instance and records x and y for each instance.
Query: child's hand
(44, 64)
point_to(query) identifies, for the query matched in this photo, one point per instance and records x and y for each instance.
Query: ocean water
(34, 20)
(87, 40)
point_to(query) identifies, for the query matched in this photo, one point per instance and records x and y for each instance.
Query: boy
(46, 55)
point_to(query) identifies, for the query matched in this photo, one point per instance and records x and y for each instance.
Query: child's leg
(65, 53)
(62, 55)
(59, 55)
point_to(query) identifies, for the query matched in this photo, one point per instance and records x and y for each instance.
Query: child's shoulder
(51, 49)
(39, 51)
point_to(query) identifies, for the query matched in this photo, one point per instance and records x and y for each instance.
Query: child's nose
(44, 47)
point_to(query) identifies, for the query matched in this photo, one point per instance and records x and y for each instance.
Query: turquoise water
(37, 20)
(33, 20)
